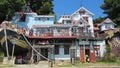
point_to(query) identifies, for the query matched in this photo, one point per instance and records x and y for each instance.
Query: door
(82, 55)
(92, 56)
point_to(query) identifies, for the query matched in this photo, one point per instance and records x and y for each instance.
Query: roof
(107, 20)
(81, 9)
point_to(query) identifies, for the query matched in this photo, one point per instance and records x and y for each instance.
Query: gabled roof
(107, 20)
(81, 20)
(83, 9)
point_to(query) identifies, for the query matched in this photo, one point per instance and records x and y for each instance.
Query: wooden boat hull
(13, 39)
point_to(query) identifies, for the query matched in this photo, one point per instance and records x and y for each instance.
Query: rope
(35, 49)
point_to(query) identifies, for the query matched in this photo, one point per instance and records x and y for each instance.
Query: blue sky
(67, 7)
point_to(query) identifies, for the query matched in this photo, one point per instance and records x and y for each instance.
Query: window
(57, 49)
(82, 11)
(107, 26)
(39, 18)
(66, 49)
(48, 18)
(85, 18)
(68, 22)
(80, 23)
(22, 18)
(64, 21)
(43, 19)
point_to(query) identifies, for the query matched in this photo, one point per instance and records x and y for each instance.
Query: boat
(12, 38)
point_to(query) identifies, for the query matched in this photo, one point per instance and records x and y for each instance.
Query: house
(88, 43)
(72, 37)
(107, 25)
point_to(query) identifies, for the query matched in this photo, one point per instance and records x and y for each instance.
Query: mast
(4, 27)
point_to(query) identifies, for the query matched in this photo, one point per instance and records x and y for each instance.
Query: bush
(108, 58)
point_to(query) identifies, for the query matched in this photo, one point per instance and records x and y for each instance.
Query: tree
(43, 7)
(98, 20)
(9, 7)
(112, 9)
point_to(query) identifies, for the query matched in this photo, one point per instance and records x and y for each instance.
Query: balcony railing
(62, 33)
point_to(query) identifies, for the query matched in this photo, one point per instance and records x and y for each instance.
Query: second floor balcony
(63, 33)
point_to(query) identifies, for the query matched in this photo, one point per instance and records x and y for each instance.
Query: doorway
(87, 54)
(44, 52)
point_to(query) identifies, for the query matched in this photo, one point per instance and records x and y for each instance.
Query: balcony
(62, 34)
(51, 34)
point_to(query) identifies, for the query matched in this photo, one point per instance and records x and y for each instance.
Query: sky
(68, 7)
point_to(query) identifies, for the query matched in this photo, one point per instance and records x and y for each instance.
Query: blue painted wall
(32, 19)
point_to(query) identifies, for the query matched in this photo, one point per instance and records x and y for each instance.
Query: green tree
(9, 7)
(43, 7)
(98, 20)
(112, 9)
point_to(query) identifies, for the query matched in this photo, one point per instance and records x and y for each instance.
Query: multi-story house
(82, 26)
(72, 37)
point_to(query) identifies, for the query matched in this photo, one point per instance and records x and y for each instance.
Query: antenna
(81, 3)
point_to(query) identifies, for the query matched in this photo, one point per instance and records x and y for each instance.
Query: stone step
(7, 60)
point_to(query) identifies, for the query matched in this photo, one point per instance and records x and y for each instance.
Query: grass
(1, 54)
(79, 64)
(0, 62)
(7, 66)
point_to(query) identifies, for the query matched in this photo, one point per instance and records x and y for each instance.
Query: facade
(107, 24)
(72, 37)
